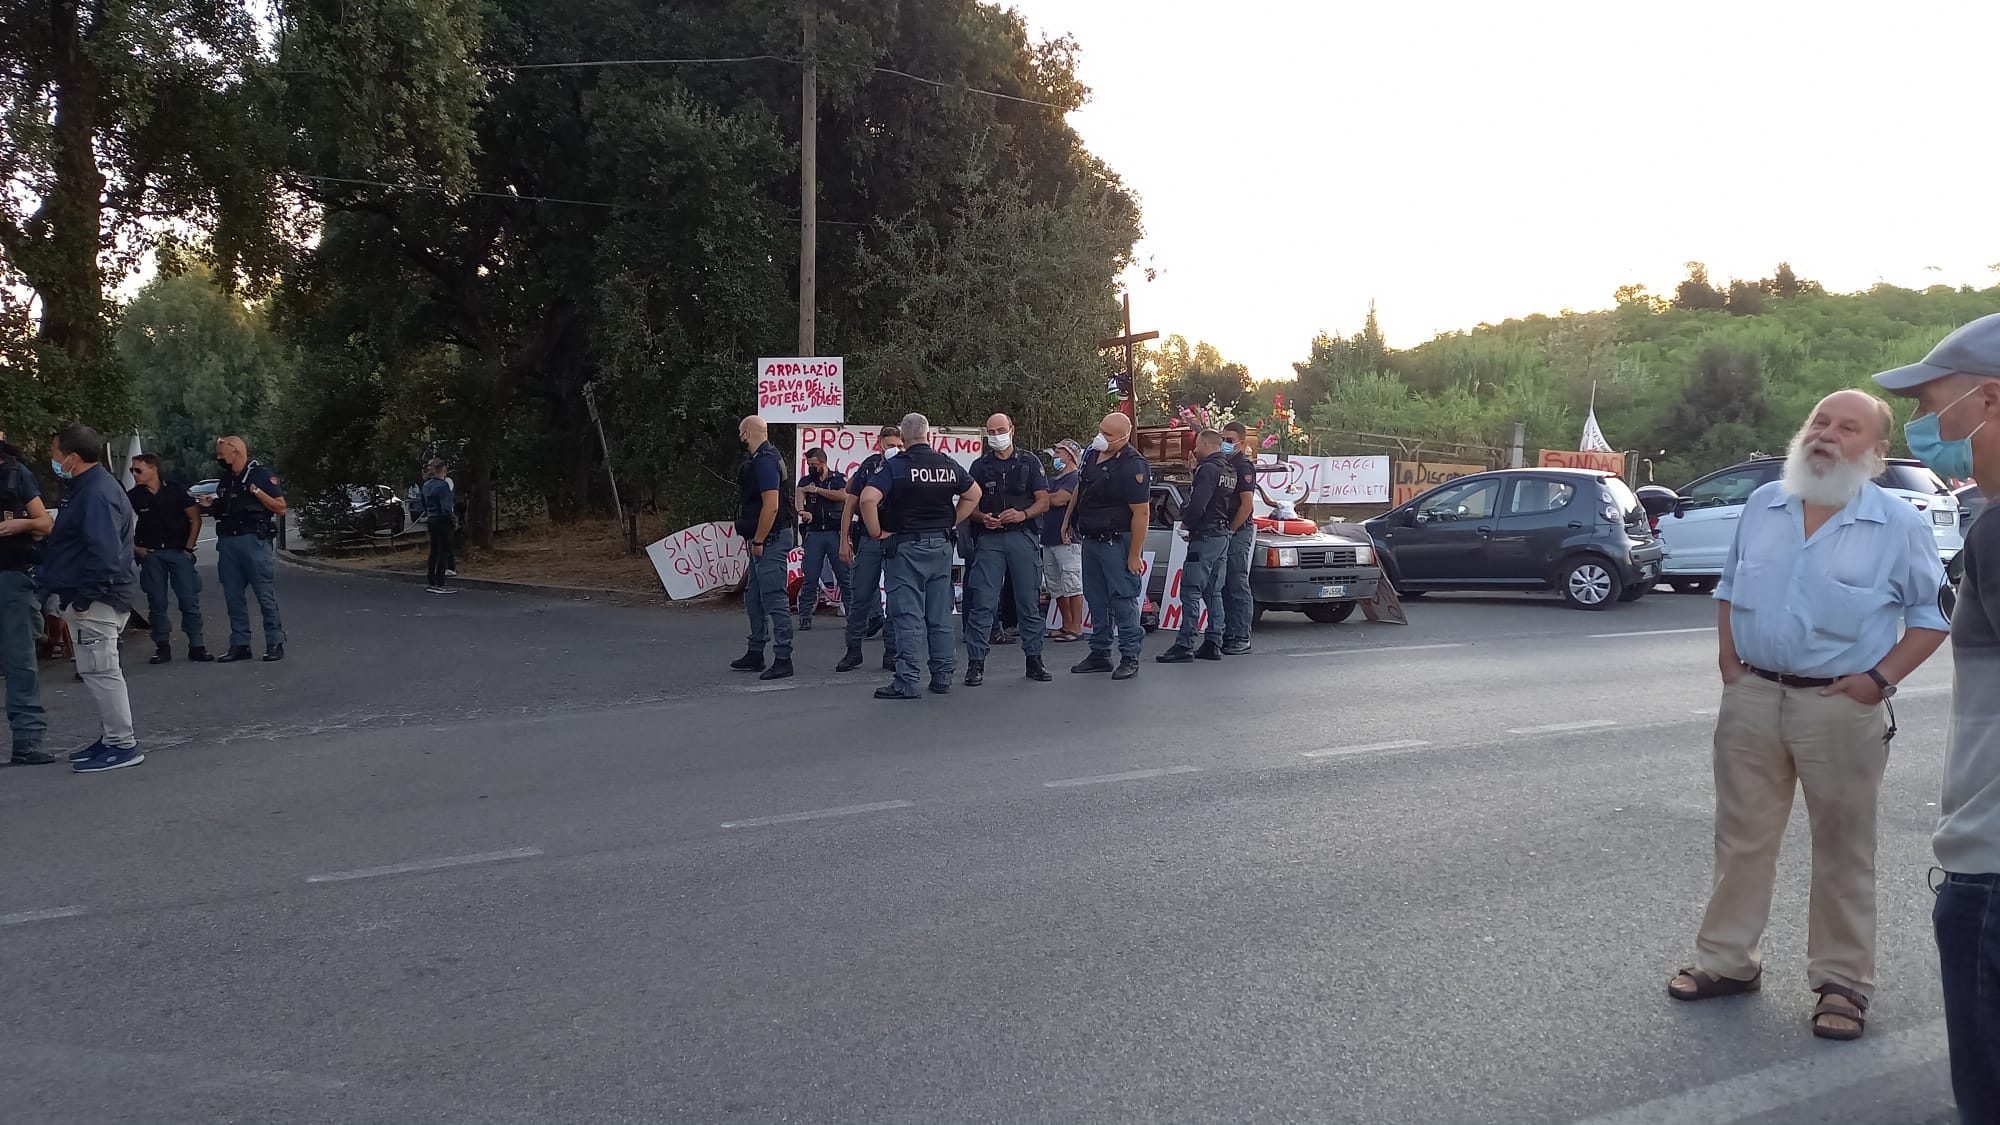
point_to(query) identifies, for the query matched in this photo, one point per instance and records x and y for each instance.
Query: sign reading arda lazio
(802, 390)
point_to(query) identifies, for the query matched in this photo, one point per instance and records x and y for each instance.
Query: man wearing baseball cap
(1956, 431)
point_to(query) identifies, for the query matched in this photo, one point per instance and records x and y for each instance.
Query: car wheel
(1330, 614)
(1591, 583)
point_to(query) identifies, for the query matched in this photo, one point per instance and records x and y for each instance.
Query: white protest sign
(847, 446)
(802, 390)
(1327, 480)
(708, 556)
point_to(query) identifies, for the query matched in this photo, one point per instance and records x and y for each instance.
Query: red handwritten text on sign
(802, 390)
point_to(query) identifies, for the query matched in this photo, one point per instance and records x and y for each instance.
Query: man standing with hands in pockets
(1826, 570)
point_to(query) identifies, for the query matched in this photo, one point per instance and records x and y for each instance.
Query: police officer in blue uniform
(909, 508)
(1004, 549)
(863, 554)
(765, 519)
(822, 494)
(1205, 525)
(1109, 517)
(246, 504)
(1239, 605)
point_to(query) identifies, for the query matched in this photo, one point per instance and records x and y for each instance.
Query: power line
(933, 82)
(513, 197)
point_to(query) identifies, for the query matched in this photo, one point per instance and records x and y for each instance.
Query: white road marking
(424, 865)
(1652, 633)
(769, 687)
(1129, 775)
(1560, 728)
(1710, 711)
(1369, 650)
(819, 814)
(1774, 1088)
(1367, 748)
(40, 915)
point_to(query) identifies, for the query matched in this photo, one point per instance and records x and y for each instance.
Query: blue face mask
(58, 467)
(1061, 464)
(1951, 459)
(1229, 447)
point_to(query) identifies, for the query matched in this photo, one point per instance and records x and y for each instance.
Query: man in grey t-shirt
(1954, 431)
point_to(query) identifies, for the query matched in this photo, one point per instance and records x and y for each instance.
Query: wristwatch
(1882, 682)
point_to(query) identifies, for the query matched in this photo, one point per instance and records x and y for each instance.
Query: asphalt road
(488, 859)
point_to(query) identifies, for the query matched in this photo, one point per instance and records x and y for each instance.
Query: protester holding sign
(765, 518)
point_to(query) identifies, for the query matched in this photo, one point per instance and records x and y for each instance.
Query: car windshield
(1912, 478)
(358, 495)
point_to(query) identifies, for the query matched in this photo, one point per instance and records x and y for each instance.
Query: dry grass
(586, 554)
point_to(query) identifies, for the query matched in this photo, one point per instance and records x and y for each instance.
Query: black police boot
(235, 653)
(162, 655)
(1236, 648)
(1095, 662)
(894, 692)
(940, 687)
(874, 628)
(1175, 655)
(1037, 672)
(752, 661)
(805, 622)
(849, 662)
(274, 654)
(1209, 651)
(200, 655)
(1126, 670)
(780, 669)
(975, 673)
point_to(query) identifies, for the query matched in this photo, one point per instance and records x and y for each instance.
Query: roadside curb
(571, 593)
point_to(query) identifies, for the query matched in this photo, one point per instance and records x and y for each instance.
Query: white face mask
(1100, 443)
(1001, 442)
(891, 453)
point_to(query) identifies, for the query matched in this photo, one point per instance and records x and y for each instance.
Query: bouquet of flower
(1284, 421)
(1194, 419)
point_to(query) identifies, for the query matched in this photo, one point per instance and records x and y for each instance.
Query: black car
(375, 511)
(1579, 532)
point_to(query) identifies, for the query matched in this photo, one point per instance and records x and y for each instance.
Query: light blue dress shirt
(1832, 605)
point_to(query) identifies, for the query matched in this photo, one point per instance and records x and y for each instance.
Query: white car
(1698, 534)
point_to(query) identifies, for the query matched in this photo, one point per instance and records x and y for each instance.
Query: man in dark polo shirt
(169, 527)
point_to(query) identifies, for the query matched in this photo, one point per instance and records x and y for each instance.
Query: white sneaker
(451, 574)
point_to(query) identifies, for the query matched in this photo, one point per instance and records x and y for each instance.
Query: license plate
(1944, 518)
(1333, 591)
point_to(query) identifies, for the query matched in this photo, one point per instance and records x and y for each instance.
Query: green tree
(202, 365)
(1696, 292)
(116, 115)
(1193, 375)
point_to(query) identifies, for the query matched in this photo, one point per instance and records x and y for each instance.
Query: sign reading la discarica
(802, 390)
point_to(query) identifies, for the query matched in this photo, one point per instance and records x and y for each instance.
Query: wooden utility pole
(1128, 380)
(809, 186)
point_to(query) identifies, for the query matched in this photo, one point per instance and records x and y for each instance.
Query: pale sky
(1474, 161)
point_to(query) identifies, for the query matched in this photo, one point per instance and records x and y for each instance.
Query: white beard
(1832, 487)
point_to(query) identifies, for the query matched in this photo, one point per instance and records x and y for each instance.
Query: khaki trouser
(1769, 741)
(96, 632)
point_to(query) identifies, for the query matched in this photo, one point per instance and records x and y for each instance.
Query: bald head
(232, 452)
(1864, 405)
(754, 431)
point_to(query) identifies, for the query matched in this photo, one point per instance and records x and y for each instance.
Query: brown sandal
(1708, 986)
(1840, 1002)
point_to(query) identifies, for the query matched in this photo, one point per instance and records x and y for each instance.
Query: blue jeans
(164, 570)
(1003, 556)
(1967, 919)
(865, 580)
(1112, 594)
(1236, 596)
(920, 608)
(764, 597)
(823, 547)
(20, 623)
(247, 562)
(1201, 585)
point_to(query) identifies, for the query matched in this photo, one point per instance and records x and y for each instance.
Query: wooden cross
(1128, 381)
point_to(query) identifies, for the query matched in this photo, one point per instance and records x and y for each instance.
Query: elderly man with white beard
(1826, 572)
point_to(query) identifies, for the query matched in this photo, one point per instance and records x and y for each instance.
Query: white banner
(847, 446)
(707, 556)
(1327, 480)
(802, 390)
